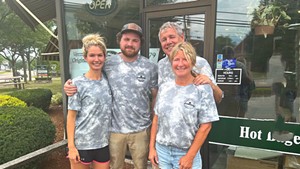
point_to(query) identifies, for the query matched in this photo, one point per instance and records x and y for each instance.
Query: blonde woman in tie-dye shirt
(183, 115)
(89, 110)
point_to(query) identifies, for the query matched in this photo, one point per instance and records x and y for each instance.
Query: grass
(262, 91)
(55, 86)
(2, 72)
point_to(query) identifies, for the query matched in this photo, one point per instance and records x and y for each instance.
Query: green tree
(222, 41)
(1, 60)
(18, 40)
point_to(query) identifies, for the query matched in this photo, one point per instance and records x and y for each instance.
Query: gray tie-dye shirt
(131, 84)
(165, 72)
(93, 103)
(181, 110)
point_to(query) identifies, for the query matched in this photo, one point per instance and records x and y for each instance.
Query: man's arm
(69, 89)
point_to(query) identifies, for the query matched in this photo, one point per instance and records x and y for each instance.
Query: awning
(51, 52)
(44, 10)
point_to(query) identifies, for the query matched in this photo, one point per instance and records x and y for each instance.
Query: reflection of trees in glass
(159, 2)
(222, 41)
(108, 25)
(85, 27)
(289, 37)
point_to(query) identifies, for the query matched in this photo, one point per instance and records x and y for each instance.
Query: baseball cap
(132, 27)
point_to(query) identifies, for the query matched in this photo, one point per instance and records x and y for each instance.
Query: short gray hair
(172, 25)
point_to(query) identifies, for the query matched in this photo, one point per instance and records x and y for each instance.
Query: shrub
(23, 130)
(40, 98)
(9, 101)
(56, 99)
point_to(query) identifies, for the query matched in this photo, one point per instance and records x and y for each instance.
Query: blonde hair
(187, 49)
(93, 40)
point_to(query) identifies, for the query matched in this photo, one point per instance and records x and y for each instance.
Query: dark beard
(129, 55)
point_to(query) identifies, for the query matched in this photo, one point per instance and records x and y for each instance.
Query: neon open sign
(101, 7)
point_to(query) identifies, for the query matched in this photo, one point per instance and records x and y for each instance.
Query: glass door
(260, 115)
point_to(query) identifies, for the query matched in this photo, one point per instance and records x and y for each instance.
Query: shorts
(100, 155)
(138, 145)
(169, 157)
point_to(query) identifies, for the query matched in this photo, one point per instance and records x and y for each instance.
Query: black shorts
(100, 155)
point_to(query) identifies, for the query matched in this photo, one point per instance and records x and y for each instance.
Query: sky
(233, 18)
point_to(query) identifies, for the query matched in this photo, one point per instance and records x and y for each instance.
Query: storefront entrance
(259, 124)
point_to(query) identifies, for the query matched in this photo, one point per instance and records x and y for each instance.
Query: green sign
(254, 133)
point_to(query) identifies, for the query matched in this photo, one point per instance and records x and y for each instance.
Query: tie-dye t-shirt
(181, 110)
(93, 103)
(165, 72)
(131, 84)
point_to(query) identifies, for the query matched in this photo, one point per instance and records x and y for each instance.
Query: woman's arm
(73, 152)
(187, 160)
(152, 151)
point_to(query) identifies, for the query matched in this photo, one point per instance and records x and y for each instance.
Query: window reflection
(80, 20)
(90, 16)
(235, 102)
(164, 2)
(271, 60)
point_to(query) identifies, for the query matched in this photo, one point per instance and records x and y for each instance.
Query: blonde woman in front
(89, 111)
(183, 115)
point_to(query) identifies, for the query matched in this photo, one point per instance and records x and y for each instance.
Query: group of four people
(112, 105)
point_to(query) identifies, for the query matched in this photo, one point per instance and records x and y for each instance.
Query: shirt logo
(189, 104)
(141, 77)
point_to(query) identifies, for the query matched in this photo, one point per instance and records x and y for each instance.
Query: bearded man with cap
(134, 82)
